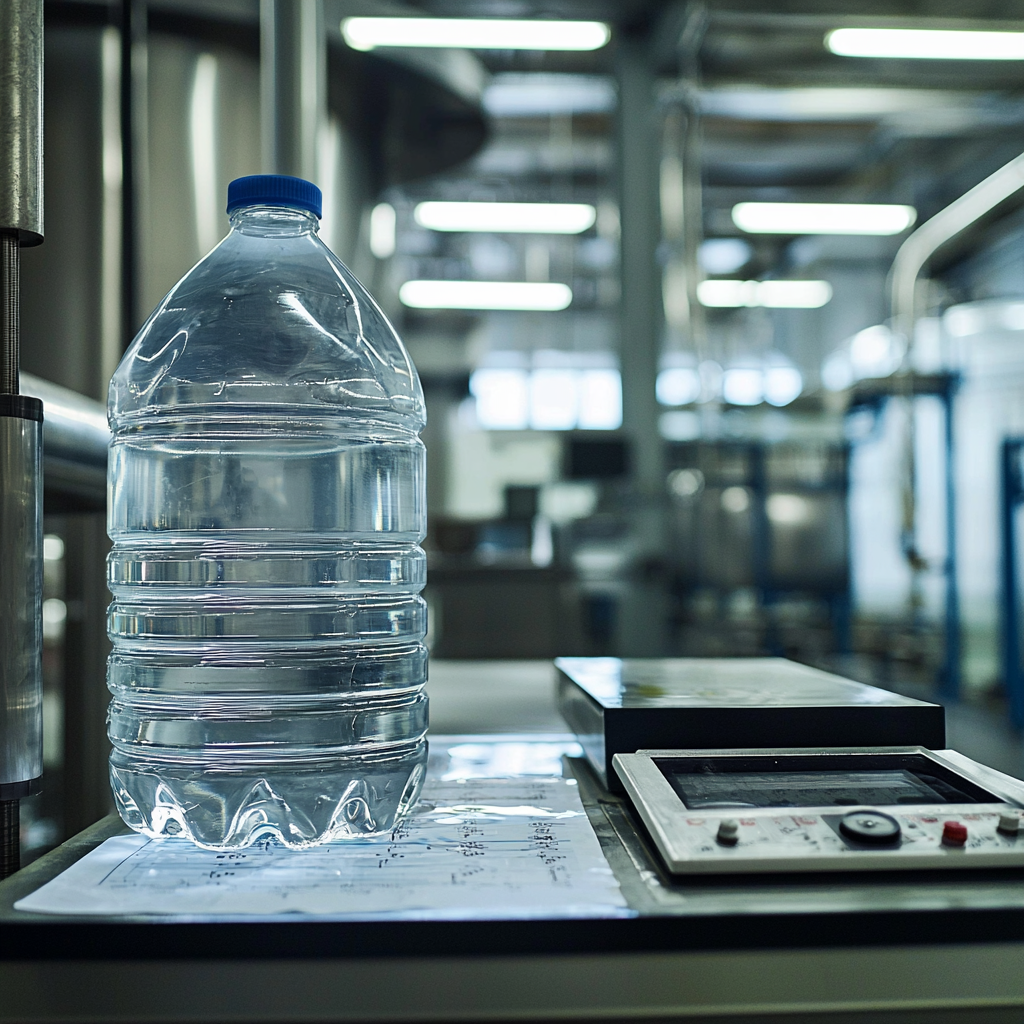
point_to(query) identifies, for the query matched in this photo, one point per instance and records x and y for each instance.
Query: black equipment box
(617, 706)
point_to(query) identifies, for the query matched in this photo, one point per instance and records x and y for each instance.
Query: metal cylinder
(21, 119)
(21, 595)
(293, 85)
(75, 440)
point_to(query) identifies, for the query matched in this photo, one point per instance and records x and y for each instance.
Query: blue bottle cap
(275, 190)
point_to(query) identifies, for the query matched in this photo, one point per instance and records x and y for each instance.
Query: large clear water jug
(266, 507)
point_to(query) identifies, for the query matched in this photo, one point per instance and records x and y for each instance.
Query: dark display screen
(704, 786)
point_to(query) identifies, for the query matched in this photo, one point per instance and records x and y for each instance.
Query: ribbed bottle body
(268, 664)
(267, 626)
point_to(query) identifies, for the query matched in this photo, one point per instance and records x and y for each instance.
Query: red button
(954, 834)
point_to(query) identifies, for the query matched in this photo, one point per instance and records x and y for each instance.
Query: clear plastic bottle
(266, 506)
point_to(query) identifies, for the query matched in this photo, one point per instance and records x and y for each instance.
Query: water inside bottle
(267, 502)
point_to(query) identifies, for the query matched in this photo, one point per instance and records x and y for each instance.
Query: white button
(728, 829)
(1009, 824)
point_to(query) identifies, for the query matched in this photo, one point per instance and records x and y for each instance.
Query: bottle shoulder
(270, 322)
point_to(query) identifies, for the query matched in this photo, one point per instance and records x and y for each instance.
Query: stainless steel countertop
(940, 947)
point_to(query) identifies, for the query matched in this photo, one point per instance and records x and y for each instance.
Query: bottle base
(302, 802)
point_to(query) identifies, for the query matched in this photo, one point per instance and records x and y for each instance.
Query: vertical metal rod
(133, 42)
(10, 312)
(293, 85)
(693, 223)
(951, 675)
(1010, 495)
(639, 187)
(843, 601)
(641, 618)
(10, 837)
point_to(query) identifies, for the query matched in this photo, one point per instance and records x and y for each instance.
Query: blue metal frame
(1011, 495)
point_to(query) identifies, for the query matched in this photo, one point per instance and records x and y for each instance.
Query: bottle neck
(274, 220)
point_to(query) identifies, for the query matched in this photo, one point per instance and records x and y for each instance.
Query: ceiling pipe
(293, 85)
(915, 252)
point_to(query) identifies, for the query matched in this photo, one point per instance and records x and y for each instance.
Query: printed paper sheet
(474, 848)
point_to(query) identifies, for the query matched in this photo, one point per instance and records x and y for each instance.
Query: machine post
(21, 425)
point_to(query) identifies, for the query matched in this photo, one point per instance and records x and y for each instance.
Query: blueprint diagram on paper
(512, 847)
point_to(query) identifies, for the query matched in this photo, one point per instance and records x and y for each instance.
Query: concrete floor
(519, 697)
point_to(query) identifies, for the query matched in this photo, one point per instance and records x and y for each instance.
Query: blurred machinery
(760, 547)
(756, 559)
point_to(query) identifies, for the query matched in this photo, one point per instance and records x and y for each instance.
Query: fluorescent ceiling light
(538, 94)
(937, 44)
(475, 33)
(524, 218)
(520, 295)
(771, 294)
(825, 103)
(822, 218)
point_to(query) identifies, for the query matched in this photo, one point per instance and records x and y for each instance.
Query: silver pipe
(21, 425)
(293, 85)
(10, 312)
(75, 438)
(911, 258)
(21, 119)
(915, 252)
(638, 126)
(75, 427)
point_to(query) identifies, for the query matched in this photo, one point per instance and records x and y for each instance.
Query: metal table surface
(936, 947)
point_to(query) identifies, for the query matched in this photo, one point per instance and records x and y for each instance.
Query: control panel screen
(705, 786)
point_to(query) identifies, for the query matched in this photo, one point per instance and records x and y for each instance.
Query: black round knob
(870, 827)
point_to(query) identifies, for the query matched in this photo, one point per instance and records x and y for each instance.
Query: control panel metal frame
(672, 825)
